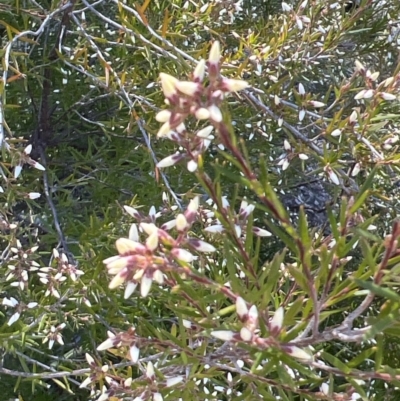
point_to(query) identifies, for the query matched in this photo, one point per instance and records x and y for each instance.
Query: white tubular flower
(245, 334)
(134, 353)
(164, 130)
(224, 335)
(215, 113)
(202, 114)
(170, 160)
(168, 85)
(234, 85)
(298, 353)
(276, 322)
(187, 87)
(215, 53)
(199, 71)
(145, 285)
(163, 116)
(241, 308)
(129, 289)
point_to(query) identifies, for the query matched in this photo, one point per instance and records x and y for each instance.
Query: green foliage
(297, 190)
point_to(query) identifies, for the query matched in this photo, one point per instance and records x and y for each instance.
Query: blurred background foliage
(80, 84)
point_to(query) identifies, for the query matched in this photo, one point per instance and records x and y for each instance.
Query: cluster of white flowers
(145, 263)
(249, 332)
(201, 101)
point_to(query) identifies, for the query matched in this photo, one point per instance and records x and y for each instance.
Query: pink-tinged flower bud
(336, 132)
(299, 23)
(199, 71)
(241, 308)
(285, 7)
(28, 149)
(192, 166)
(150, 371)
(183, 255)
(134, 353)
(260, 232)
(193, 205)
(173, 381)
(324, 388)
(298, 353)
(188, 88)
(126, 246)
(164, 130)
(168, 85)
(252, 316)
(33, 195)
(238, 231)
(116, 265)
(205, 132)
(332, 175)
(353, 117)
(158, 277)
(145, 285)
(303, 5)
(215, 113)
(169, 225)
(359, 67)
(364, 94)
(387, 96)
(202, 114)
(217, 228)
(152, 241)
(37, 165)
(224, 335)
(374, 76)
(138, 275)
(246, 334)
(133, 233)
(17, 171)
(170, 160)
(201, 246)
(388, 81)
(129, 289)
(133, 212)
(14, 318)
(186, 324)
(356, 169)
(118, 279)
(392, 140)
(181, 222)
(163, 116)
(225, 203)
(316, 104)
(89, 359)
(233, 85)
(275, 324)
(109, 343)
(149, 228)
(215, 54)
